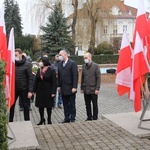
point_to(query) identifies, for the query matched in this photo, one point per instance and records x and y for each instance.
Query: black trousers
(21, 102)
(91, 98)
(25, 103)
(69, 107)
(49, 112)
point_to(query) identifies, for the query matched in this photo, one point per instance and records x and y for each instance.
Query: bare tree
(92, 8)
(40, 9)
(96, 10)
(75, 6)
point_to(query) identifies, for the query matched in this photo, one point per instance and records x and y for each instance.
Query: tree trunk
(92, 9)
(92, 38)
(73, 26)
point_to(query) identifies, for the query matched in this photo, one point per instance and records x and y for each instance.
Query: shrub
(3, 110)
(108, 52)
(103, 48)
(99, 59)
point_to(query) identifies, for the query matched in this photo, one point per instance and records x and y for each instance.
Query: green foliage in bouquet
(35, 69)
(3, 110)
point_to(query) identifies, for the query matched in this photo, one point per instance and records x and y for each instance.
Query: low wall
(105, 77)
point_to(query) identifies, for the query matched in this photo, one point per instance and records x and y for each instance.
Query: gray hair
(64, 51)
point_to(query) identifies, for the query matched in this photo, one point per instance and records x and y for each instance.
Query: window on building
(79, 45)
(124, 27)
(105, 29)
(114, 29)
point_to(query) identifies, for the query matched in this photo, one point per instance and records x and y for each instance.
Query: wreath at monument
(3, 110)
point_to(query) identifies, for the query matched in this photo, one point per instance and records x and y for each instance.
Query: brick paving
(97, 135)
(101, 134)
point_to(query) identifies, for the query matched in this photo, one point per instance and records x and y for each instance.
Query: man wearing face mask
(90, 85)
(20, 100)
(55, 67)
(67, 83)
(23, 84)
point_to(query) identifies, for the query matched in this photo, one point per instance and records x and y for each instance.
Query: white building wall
(100, 37)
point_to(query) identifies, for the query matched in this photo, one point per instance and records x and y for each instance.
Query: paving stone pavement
(101, 134)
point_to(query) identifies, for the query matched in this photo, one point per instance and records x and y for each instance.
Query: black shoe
(41, 122)
(60, 107)
(65, 121)
(72, 121)
(88, 119)
(21, 109)
(49, 121)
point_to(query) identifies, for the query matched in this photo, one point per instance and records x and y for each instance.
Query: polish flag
(11, 67)
(140, 67)
(141, 24)
(148, 42)
(123, 76)
(3, 39)
(4, 51)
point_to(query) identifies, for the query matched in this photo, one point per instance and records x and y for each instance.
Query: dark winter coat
(55, 66)
(44, 88)
(23, 75)
(90, 79)
(67, 77)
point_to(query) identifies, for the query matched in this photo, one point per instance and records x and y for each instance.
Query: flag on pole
(140, 67)
(123, 76)
(3, 39)
(141, 24)
(148, 42)
(3, 50)
(11, 68)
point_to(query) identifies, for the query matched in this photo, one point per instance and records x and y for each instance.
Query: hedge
(99, 59)
(3, 110)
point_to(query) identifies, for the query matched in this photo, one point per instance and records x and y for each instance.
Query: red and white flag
(141, 24)
(3, 39)
(140, 67)
(123, 76)
(148, 42)
(11, 68)
(3, 50)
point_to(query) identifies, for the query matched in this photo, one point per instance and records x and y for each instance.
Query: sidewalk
(107, 133)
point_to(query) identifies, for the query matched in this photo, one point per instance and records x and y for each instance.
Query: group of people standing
(61, 77)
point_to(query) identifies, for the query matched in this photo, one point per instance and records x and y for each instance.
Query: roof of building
(106, 9)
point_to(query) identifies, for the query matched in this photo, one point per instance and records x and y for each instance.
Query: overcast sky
(29, 26)
(134, 3)
(28, 29)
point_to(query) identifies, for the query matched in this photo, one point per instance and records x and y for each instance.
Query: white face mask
(60, 58)
(86, 61)
(17, 58)
(41, 64)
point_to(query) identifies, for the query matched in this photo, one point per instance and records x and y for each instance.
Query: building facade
(109, 26)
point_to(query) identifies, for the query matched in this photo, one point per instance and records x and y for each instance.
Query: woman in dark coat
(45, 88)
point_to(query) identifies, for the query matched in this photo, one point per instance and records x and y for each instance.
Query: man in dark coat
(68, 81)
(23, 83)
(90, 85)
(55, 67)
